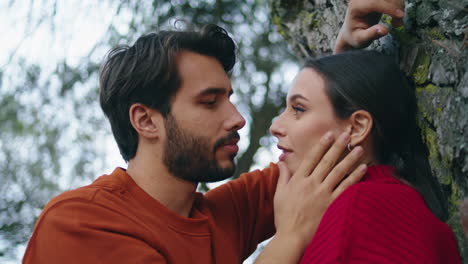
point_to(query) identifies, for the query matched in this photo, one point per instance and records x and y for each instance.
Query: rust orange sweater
(115, 221)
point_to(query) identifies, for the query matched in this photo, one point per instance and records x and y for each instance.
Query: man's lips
(231, 141)
(231, 145)
(228, 143)
(231, 148)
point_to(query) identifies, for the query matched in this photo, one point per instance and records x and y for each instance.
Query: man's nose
(236, 121)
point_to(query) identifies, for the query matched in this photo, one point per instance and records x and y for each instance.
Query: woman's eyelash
(298, 109)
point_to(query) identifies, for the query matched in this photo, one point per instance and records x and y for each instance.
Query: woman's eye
(298, 110)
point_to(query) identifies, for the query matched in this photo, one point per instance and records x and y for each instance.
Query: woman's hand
(361, 26)
(302, 199)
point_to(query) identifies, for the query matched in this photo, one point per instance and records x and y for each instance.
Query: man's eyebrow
(215, 90)
(297, 96)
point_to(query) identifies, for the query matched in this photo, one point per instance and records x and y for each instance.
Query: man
(167, 99)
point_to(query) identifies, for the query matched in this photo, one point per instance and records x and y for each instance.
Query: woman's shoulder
(381, 184)
(388, 219)
(382, 201)
(378, 207)
(375, 198)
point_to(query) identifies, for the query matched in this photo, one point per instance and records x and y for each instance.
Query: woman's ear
(361, 126)
(146, 121)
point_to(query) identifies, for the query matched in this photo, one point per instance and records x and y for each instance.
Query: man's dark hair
(373, 82)
(146, 73)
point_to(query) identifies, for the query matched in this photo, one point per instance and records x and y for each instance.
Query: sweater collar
(381, 173)
(196, 224)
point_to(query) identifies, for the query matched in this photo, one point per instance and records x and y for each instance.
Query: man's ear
(361, 126)
(146, 121)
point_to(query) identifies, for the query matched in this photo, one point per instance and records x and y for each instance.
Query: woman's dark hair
(368, 80)
(146, 73)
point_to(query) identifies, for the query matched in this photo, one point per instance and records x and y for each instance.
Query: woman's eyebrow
(297, 96)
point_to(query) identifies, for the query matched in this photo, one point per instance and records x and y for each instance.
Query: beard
(190, 157)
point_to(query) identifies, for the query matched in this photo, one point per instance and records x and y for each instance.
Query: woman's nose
(276, 129)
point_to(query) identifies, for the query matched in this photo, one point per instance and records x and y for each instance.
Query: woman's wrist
(286, 247)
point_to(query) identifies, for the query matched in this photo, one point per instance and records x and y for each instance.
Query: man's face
(201, 130)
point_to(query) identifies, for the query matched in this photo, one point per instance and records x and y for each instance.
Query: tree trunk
(432, 50)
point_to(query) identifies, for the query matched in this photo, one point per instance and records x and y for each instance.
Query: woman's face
(308, 116)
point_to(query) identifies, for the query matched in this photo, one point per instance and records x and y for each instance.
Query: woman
(382, 219)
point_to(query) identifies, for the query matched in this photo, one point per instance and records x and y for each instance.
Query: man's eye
(209, 103)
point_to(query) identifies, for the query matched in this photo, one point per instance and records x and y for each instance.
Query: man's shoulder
(270, 171)
(103, 214)
(105, 187)
(85, 194)
(254, 183)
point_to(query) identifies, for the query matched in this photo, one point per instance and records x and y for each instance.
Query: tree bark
(431, 48)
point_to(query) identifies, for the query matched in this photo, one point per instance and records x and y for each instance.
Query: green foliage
(29, 156)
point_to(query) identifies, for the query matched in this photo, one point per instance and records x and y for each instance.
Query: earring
(350, 148)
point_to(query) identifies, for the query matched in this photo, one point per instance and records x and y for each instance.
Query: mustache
(222, 141)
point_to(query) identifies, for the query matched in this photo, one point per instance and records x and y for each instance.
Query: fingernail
(344, 137)
(358, 151)
(363, 167)
(400, 13)
(328, 136)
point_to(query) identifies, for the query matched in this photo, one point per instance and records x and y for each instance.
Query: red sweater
(114, 221)
(381, 220)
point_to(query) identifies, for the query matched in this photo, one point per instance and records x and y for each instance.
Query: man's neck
(152, 176)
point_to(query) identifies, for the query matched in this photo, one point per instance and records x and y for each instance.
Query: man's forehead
(186, 59)
(201, 74)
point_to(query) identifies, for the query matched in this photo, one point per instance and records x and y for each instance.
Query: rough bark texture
(432, 50)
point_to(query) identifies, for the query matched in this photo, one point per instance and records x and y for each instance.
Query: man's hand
(361, 26)
(302, 199)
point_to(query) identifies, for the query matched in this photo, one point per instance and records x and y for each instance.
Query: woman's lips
(285, 153)
(283, 156)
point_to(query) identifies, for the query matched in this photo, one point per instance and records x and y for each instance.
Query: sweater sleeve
(246, 204)
(77, 231)
(381, 223)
